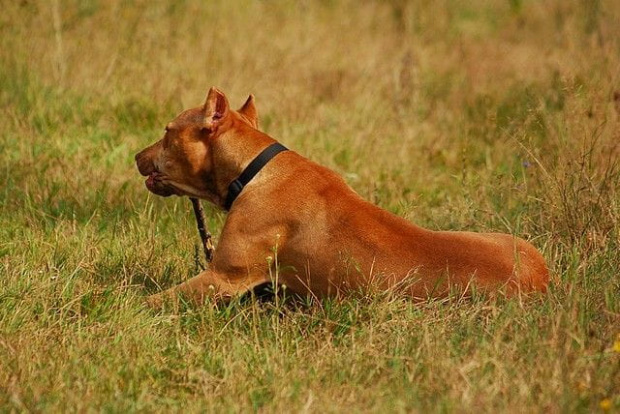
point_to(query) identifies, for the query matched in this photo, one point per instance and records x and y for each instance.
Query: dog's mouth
(154, 183)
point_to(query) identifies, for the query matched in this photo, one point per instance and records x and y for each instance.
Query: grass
(475, 115)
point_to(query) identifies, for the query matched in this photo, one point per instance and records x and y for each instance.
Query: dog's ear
(215, 106)
(249, 112)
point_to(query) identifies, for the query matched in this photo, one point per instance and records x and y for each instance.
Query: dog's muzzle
(154, 185)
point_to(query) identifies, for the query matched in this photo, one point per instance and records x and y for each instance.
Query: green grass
(486, 116)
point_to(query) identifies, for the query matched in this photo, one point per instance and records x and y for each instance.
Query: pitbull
(299, 225)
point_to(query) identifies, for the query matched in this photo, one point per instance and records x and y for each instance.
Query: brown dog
(299, 224)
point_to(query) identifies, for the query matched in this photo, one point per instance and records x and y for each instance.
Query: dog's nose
(144, 164)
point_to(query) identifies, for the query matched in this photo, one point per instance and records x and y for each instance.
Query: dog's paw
(155, 302)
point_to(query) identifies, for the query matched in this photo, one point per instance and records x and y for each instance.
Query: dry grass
(480, 115)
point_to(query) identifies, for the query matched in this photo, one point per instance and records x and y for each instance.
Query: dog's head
(182, 161)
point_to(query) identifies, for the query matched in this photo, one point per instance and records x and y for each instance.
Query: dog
(298, 224)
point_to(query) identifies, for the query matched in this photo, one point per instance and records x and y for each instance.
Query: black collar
(235, 188)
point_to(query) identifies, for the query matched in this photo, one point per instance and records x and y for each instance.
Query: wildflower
(605, 404)
(616, 345)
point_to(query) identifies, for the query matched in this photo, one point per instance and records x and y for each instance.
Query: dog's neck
(231, 153)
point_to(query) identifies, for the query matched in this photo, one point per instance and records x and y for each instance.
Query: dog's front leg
(210, 284)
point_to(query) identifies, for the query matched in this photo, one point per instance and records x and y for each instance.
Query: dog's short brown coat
(325, 238)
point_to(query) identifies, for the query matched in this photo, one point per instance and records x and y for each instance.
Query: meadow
(481, 115)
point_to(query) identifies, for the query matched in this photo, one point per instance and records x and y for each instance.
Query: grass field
(480, 115)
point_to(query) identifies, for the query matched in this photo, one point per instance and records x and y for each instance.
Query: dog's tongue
(150, 181)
